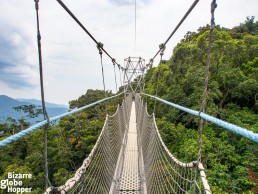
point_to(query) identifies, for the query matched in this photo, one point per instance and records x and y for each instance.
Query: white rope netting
(97, 171)
(163, 172)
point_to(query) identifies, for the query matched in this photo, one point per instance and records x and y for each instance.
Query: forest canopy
(229, 159)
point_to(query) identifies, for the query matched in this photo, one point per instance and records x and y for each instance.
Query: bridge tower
(133, 79)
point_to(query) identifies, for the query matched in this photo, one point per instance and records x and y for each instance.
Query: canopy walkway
(130, 157)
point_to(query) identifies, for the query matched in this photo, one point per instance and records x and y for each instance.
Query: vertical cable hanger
(205, 91)
(100, 47)
(114, 64)
(135, 25)
(47, 182)
(120, 75)
(177, 27)
(162, 49)
(206, 81)
(83, 28)
(162, 46)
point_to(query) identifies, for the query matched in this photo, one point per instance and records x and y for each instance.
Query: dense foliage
(69, 143)
(231, 160)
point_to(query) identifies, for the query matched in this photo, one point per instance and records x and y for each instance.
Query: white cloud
(70, 58)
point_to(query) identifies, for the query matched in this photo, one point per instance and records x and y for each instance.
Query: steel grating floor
(129, 181)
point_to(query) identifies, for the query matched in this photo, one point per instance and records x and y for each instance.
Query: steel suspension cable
(178, 25)
(100, 46)
(135, 25)
(82, 26)
(102, 69)
(206, 81)
(113, 60)
(162, 47)
(47, 182)
(120, 75)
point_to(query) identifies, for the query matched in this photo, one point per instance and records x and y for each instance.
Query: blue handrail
(239, 130)
(27, 131)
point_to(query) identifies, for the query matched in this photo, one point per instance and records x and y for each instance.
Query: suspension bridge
(129, 155)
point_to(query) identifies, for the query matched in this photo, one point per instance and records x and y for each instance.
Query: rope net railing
(98, 170)
(163, 172)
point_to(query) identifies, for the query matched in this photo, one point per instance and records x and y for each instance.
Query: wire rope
(162, 47)
(178, 25)
(113, 60)
(135, 6)
(206, 81)
(47, 182)
(83, 27)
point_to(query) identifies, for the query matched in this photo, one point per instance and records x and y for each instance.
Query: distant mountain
(39, 103)
(7, 104)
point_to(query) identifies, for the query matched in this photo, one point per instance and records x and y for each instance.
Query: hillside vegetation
(230, 160)
(70, 142)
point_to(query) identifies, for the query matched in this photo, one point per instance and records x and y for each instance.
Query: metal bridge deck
(129, 181)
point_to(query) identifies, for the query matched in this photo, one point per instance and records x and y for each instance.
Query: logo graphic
(14, 183)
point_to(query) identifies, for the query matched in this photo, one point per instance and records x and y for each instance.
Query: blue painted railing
(239, 130)
(27, 131)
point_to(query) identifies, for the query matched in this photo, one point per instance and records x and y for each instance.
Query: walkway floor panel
(129, 181)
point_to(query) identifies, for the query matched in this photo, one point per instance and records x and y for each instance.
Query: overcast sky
(70, 58)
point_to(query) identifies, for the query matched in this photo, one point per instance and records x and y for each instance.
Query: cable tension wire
(206, 81)
(178, 25)
(81, 25)
(47, 182)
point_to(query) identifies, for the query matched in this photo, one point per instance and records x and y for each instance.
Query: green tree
(232, 96)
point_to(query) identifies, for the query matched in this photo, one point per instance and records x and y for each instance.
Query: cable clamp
(162, 48)
(39, 36)
(113, 61)
(150, 63)
(199, 113)
(36, 4)
(195, 163)
(100, 47)
(213, 7)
